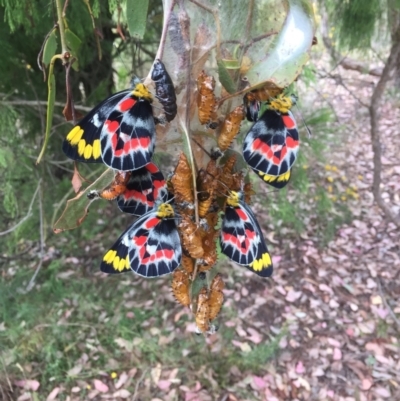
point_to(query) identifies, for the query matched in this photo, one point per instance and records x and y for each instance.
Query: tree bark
(375, 134)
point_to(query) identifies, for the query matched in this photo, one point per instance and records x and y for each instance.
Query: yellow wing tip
(263, 263)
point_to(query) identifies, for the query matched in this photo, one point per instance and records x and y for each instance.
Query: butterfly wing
(128, 135)
(243, 242)
(270, 147)
(144, 187)
(83, 141)
(150, 247)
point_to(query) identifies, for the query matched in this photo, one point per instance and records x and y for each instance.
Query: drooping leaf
(74, 44)
(136, 16)
(50, 48)
(77, 208)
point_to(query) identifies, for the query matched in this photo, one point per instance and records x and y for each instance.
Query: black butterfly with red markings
(241, 237)
(270, 147)
(150, 247)
(143, 188)
(119, 132)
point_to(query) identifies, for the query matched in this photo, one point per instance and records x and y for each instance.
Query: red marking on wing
(265, 150)
(152, 168)
(242, 246)
(291, 143)
(158, 255)
(137, 196)
(289, 122)
(150, 223)
(250, 234)
(242, 214)
(133, 144)
(112, 126)
(140, 241)
(157, 186)
(126, 104)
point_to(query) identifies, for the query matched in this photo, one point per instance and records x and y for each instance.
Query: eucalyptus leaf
(136, 16)
(50, 48)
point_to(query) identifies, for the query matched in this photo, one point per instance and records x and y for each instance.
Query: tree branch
(26, 217)
(38, 103)
(375, 134)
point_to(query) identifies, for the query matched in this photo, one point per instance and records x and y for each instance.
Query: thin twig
(27, 216)
(394, 317)
(137, 385)
(38, 103)
(31, 283)
(338, 79)
(5, 371)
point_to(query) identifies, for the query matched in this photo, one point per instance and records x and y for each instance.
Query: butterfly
(143, 188)
(119, 132)
(270, 147)
(241, 237)
(150, 247)
(165, 91)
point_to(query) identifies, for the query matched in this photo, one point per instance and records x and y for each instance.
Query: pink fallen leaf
(293, 296)
(190, 396)
(254, 336)
(325, 288)
(164, 384)
(123, 393)
(52, 396)
(375, 348)
(276, 259)
(28, 384)
(333, 342)
(259, 383)
(300, 368)
(337, 354)
(366, 384)
(123, 377)
(382, 392)
(100, 386)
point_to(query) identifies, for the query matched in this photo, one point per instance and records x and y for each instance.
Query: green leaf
(4, 152)
(10, 202)
(225, 78)
(50, 48)
(74, 44)
(136, 16)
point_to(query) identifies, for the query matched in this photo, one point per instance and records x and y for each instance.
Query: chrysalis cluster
(183, 222)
